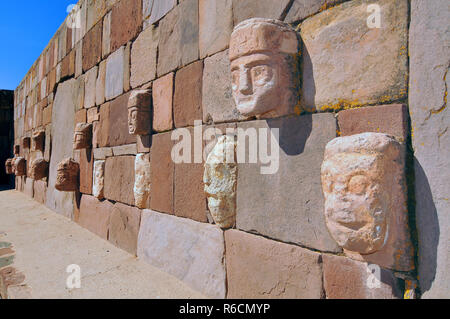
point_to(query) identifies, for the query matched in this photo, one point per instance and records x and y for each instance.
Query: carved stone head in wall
(9, 166)
(365, 198)
(67, 175)
(16, 149)
(139, 115)
(37, 141)
(39, 169)
(82, 137)
(263, 55)
(20, 166)
(26, 142)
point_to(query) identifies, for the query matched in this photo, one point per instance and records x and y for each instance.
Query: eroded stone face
(142, 180)
(98, 183)
(220, 182)
(39, 169)
(37, 141)
(67, 175)
(139, 115)
(20, 166)
(16, 149)
(25, 142)
(263, 55)
(9, 166)
(83, 136)
(365, 202)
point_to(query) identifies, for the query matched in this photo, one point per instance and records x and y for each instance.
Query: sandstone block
(68, 65)
(95, 215)
(90, 81)
(86, 170)
(142, 180)
(29, 187)
(124, 227)
(40, 191)
(130, 149)
(162, 103)
(119, 179)
(106, 41)
(190, 251)
(143, 57)
(261, 268)
(118, 132)
(246, 9)
(92, 47)
(155, 10)
(123, 27)
(302, 9)
(98, 180)
(114, 74)
(102, 153)
(92, 115)
(100, 84)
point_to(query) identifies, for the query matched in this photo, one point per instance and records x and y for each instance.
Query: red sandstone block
(81, 116)
(118, 119)
(94, 215)
(126, 22)
(40, 191)
(119, 179)
(47, 115)
(187, 105)
(124, 227)
(162, 103)
(102, 132)
(388, 119)
(162, 174)
(68, 65)
(86, 169)
(92, 47)
(51, 81)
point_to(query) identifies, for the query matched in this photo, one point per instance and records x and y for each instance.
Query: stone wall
(6, 133)
(353, 78)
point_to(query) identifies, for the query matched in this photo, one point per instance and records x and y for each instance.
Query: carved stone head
(365, 199)
(220, 178)
(37, 141)
(139, 115)
(26, 142)
(83, 136)
(67, 175)
(20, 166)
(263, 55)
(16, 149)
(39, 169)
(9, 166)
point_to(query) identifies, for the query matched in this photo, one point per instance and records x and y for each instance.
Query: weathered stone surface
(26, 142)
(143, 57)
(92, 47)
(261, 268)
(29, 187)
(246, 9)
(139, 112)
(144, 142)
(82, 138)
(187, 104)
(217, 96)
(155, 10)
(100, 84)
(388, 119)
(178, 38)
(102, 153)
(40, 191)
(371, 67)
(123, 27)
(101, 135)
(67, 175)
(98, 180)
(220, 177)
(286, 204)
(190, 251)
(126, 67)
(62, 130)
(78, 62)
(106, 40)
(265, 80)
(38, 140)
(86, 170)
(162, 173)
(95, 10)
(95, 215)
(114, 74)
(130, 149)
(68, 65)
(39, 169)
(162, 103)
(90, 80)
(302, 9)
(80, 118)
(216, 25)
(48, 142)
(430, 120)
(124, 227)
(92, 115)
(118, 133)
(142, 181)
(9, 166)
(349, 279)
(119, 179)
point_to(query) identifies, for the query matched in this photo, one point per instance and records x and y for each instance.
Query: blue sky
(26, 27)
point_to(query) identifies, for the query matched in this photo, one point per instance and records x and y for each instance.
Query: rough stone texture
(288, 204)
(38, 140)
(39, 169)
(119, 179)
(130, 149)
(187, 104)
(430, 119)
(259, 268)
(142, 181)
(155, 10)
(118, 122)
(78, 62)
(29, 187)
(143, 57)
(90, 80)
(178, 38)
(101, 135)
(102, 153)
(95, 215)
(86, 170)
(188, 250)
(92, 115)
(40, 191)
(363, 180)
(100, 84)
(95, 10)
(162, 103)
(98, 180)
(162, 173)
(124, 227)
(106, 40)
(114, 74)
(62, 130)
(246, 9)
(126, 67)
(346, 64)
(388, 119)
(216, 25)
(217, 100)
(220, 177)
(92, 47)
(189, 195)
(349, 279)
(123, 27)
(302, 9)
(67, 175)
(82, 138)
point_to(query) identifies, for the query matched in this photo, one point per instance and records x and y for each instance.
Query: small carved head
(9, 166)
(359, 178)
(39, 169)
(263, 55)
(67, 175)
(37, 141)
(16, 149)
(26, 142)
(20, 166)
(139, 115)
(83, 136)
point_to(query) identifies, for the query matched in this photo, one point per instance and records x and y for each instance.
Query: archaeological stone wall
(352, 96)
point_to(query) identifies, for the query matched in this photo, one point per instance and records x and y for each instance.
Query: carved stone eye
(358, 184)
(261, 74)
